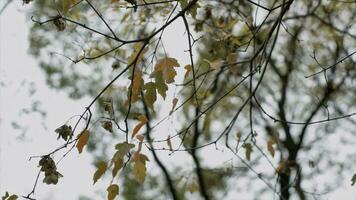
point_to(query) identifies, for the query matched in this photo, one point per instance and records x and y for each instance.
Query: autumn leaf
(169, 143)
(67, 4)
(123, 148)
(137, 82)
(113, 191)
(101, 168)
(143, 120)
(107, 125)
(150, 94)
(270, 148)
(248, 150)
(166, 66)
(174, 104)
(188, 69)
(65, 132)
(161, 86)
(137, 54)
(83, 139)
(7, 196)
(118, 163)
(139, 172)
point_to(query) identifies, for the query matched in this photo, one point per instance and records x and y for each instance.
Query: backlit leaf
(166, 66)
(270, 147)
(83, 139)
(123, 148)
(139, 171)
(143, 120)
(113, 191)
(118, 163)
(136, 86)
(101, 168)
(161, 86)
(150, 94)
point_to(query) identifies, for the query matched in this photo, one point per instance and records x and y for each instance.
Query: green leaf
(113, 191)
(101, 168)
(161, 86)
(353, 180)
(150, 94)
(123, 148)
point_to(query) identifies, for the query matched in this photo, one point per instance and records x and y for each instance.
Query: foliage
(273, 78)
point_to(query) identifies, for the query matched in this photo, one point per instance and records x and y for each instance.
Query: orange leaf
(143, 120)
(83, 139)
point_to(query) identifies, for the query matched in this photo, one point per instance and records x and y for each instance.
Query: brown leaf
(82, 141)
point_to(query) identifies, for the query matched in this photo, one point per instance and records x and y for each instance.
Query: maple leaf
(150, 94)
(166, 66)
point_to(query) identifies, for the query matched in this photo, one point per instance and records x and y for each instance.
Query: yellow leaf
(169, 143)
(101, 168)
(118, 163)
(139, 171)
(113, 191)
(166, 66)
(83, 139)
(270, 148)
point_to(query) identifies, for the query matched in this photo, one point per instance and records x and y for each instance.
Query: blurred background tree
(251, 105)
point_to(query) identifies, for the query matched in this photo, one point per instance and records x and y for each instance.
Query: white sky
(18, 71)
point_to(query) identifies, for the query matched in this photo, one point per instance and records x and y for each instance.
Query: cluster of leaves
(237, 55)
(65, 132)
(49, 168)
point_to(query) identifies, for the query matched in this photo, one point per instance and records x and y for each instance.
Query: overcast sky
(23, 84)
